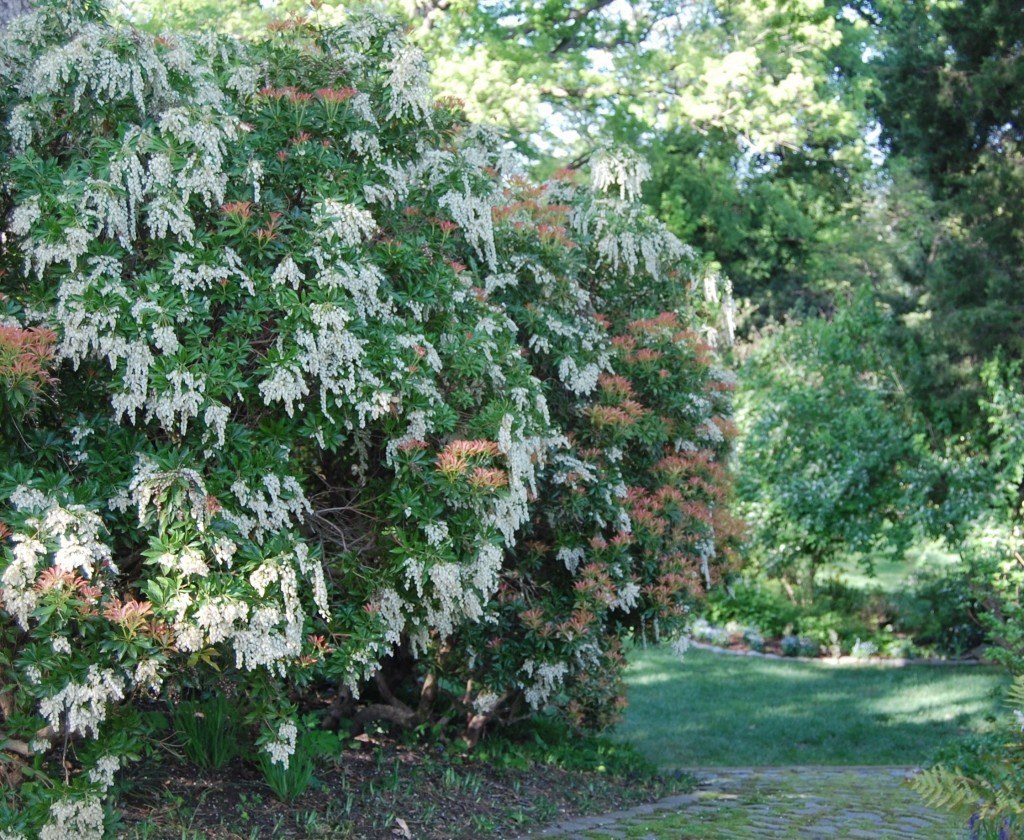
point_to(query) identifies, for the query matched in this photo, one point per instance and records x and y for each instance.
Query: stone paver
(802, 803)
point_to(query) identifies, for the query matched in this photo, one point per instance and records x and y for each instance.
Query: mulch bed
(384, 790)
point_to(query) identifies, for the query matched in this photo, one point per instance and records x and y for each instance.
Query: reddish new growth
(455, 458)
(335, 95)
(488, 478)
(546, 217)
(131, 614)
(579, 624)
(237, 209)
(532, 618)
(449, 103)
(696, 472)
(292, 94)
(609, 416)
(566, 174)
(60, 579)
(320, 647)
(290, 23)
(268, 233)
(666, 321)
(554, 233)
(595, 585)
(644, 355)
(24, 356)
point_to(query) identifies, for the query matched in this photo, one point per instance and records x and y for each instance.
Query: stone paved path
(804, 803)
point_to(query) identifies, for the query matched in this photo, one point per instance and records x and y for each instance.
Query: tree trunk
(10, 9)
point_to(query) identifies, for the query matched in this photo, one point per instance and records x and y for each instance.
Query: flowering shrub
(333, 399)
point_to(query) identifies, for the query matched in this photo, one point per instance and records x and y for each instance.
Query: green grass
(714, 710)
(890, 574)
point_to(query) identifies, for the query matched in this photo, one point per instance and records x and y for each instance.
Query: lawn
(890, 574)
(714, 710)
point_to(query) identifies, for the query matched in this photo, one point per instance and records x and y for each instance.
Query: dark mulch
(382, 790)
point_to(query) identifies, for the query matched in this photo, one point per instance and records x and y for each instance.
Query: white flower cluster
(274, 507)
(179, 401)
(313, 570)
(219, 617)
(709, 431)
(161, 184)
(78, 818)
(626, 249)
(544, 680)
(338, 221)
(102, 773)
(627, 597)
(202, 134)
(26, 498)
(409, 83)
(680, 645)
(619, 169)
(486, 702)
(579, 380)
(524, 456)
(218, 269)
(287, 273)
(627, 238)
(282, 748)
(285, 384)
(149, 482)
(436, 532)
(216, 419)
(391, 604)
(147, 676)
(451, 593)
(74, 530)
(80, 707)
(362, 282)
(473, 214)
(571, 558)
(263, 644)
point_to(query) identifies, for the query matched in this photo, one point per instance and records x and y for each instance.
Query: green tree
(950, 83)
(831, 462)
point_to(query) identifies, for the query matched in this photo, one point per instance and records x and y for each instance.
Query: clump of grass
(288, 783)
(209, 730)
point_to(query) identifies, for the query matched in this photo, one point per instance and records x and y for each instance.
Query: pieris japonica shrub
(304, 389)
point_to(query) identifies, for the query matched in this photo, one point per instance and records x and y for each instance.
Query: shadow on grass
(711, 710)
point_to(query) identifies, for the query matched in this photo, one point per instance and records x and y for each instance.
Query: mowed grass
(891, 574)
(712, 710)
